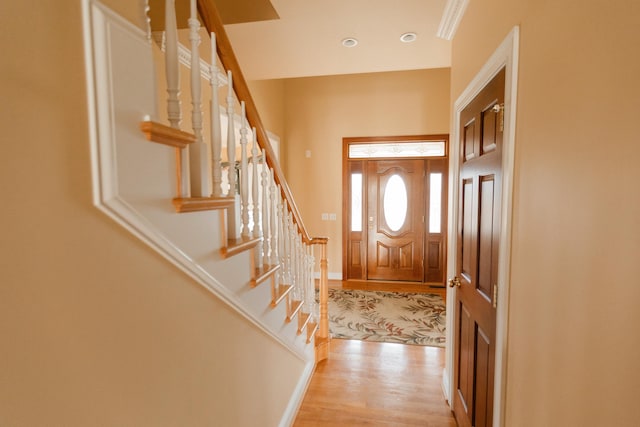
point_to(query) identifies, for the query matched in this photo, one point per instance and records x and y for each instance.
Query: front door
(480, 185)
(395, 219)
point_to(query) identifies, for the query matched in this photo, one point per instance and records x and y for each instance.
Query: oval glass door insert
(395, 203)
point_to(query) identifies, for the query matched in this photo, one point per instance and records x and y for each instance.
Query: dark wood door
(477, 257)
(395, 220)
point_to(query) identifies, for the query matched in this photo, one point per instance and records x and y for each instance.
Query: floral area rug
(399, 317)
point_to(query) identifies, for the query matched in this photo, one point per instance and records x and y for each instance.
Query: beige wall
(574, 338)
(320, 111)
(96, 328)
(268, 96)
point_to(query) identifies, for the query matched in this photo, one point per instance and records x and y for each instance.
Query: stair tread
(236, 246)
(281, 291)
(312, 328)
(262, 273)
(163, 134)
(303, 319)
(293, 310)
(197, 204)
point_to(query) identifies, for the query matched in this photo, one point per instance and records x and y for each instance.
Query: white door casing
(505, 56)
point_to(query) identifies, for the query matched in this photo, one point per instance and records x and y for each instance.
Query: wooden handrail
(213, 23)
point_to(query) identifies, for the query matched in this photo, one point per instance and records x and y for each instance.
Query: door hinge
(495, 295)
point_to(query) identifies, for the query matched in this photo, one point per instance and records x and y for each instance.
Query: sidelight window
(356, 202)
(435, 202)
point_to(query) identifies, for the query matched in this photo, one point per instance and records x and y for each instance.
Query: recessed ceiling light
(408, 37)
(349, 42)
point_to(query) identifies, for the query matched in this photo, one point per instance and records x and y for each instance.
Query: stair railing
(264, 210)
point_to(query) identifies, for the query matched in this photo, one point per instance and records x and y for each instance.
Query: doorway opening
(395, 209)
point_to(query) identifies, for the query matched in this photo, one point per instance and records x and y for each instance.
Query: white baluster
(147, 19)
(255, 199)
(295, 282)
(255, 188)
(172, 66)
(198, 151)
(231, 136)
(305, 274)
(244, 174)
(275, 221)
(305, 266)
(216, 129)
(174, 112)
(312, 284)
(276, 228)
(303, 269)
(299, 274)
(309, 278)
(265, 208)
(233, 223)
(291, 253)
(284, 246)
(299, 266)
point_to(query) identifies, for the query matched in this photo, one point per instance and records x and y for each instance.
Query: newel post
(322, 337)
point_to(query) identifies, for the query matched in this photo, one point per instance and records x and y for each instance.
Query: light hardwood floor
(376, 384)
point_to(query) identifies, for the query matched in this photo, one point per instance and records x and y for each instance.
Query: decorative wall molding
(451, 17)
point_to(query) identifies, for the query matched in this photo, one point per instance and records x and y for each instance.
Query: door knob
(454, 282)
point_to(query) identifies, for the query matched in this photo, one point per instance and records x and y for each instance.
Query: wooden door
(477, 256)
(395, 220)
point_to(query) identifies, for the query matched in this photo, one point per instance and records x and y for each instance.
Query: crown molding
(451, 17)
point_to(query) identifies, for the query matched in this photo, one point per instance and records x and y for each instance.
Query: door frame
(346, 196)
(505, 56)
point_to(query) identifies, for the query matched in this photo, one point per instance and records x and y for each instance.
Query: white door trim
(505, 56)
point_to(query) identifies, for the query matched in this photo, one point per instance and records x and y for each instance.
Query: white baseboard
(331, 275)
(297, 397)
(446, 386)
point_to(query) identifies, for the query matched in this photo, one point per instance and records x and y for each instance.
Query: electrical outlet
(325, 217)
(332, 217)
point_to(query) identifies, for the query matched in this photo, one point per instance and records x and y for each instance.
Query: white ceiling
(306, 40)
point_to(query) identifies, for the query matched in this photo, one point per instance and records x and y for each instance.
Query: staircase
(239, 234)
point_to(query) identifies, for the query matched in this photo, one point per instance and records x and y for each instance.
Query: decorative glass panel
(397, 149)
(435, 202)
(395, 203)
(356, 202)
